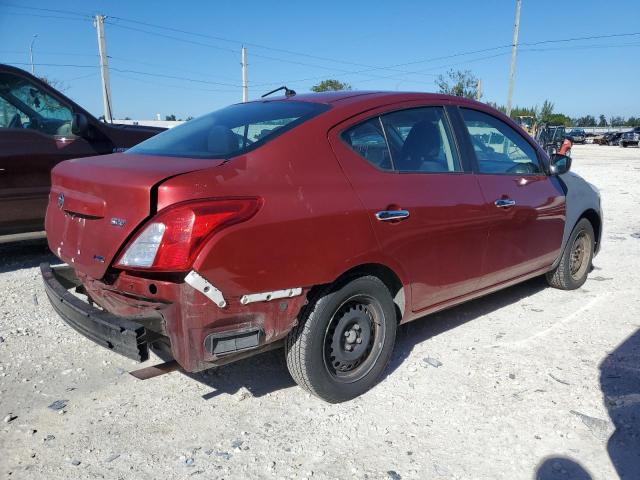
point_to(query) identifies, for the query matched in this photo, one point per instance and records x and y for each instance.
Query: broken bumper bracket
(119, 334)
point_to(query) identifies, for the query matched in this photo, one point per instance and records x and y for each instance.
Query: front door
(426, 212)
(525, 208)
(35, 134)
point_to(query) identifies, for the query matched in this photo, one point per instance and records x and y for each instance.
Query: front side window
(416, 140)
(38, 110)
(499, 149)
(231, 131)
(10, 116)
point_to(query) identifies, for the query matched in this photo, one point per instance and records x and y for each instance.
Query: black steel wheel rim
(580, 253)
(354, 338)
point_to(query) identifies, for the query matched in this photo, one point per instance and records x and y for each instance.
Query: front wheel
(623, 144)
(575, 263)
(343, 340)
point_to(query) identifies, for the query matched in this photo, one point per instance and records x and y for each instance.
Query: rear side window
(368, 140)
(416, 140)
(231, 131)
(499, 148)
(420, 140)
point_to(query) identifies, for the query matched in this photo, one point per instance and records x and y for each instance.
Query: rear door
(426, 212)
(35, 135)
(525, 207)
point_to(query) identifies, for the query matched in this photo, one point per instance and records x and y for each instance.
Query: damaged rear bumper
(118, 334)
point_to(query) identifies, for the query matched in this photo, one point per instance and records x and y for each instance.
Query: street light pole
(514, 49)
(33, 70)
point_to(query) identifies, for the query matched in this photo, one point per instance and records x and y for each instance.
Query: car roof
(355, 96)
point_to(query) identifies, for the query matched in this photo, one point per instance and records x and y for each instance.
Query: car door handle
(504, 203)
(388, 215)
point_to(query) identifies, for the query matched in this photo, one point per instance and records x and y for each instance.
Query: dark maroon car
(39, 128)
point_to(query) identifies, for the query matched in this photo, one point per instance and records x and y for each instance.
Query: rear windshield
(231, 131)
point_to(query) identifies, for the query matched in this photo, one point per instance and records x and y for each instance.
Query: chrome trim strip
(198, 282)
(268, 296)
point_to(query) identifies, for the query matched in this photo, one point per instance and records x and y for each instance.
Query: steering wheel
(16, 122)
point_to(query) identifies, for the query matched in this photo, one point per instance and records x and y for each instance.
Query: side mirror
(80, 125)
(560, 164)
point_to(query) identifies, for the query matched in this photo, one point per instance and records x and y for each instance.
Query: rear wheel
(623, 144)
(343, 340)
(575, 263)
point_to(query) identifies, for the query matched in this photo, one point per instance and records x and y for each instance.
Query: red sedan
(314, 222)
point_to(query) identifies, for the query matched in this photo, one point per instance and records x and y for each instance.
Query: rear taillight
(171, 240)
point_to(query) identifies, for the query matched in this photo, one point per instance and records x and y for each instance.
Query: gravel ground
(530, 382)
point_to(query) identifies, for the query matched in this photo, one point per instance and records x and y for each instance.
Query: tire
(575, 263)
(623, 144)
(328, 355)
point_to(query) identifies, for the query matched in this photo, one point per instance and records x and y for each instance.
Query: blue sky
(334, 40)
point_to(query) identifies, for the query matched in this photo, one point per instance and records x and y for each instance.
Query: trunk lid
(96, 204)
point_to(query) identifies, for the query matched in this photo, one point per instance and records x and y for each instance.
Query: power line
(236, 52)
(251, 44)
(582, 47)
(137, 72)
(575, 39)
(51, 10)
(369, 67)
(165, 67)
(291, 52)
(54, 65)
(473, 60)
(174, 77)
(367, 71)
(73, 79)
(66, 54)
(177, 87)
(25, 14)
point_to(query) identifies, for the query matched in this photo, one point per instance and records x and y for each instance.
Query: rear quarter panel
(310, 229)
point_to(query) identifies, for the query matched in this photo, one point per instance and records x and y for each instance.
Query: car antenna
(287, 92)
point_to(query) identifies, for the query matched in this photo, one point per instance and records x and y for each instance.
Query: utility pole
(479, 90)
(245, 85)
(33, 70)
(104, 68)
(514, 48)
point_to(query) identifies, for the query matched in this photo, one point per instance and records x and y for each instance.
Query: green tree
(546, 111)
(524, 112)
(330, 85)
(461, 83)
(633, 122)
(603, 121)
(616, 121)
(559, 119)
(170, 118)
(586, 121)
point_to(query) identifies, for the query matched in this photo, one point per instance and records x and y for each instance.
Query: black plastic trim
(225, 343)
(119, 334)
